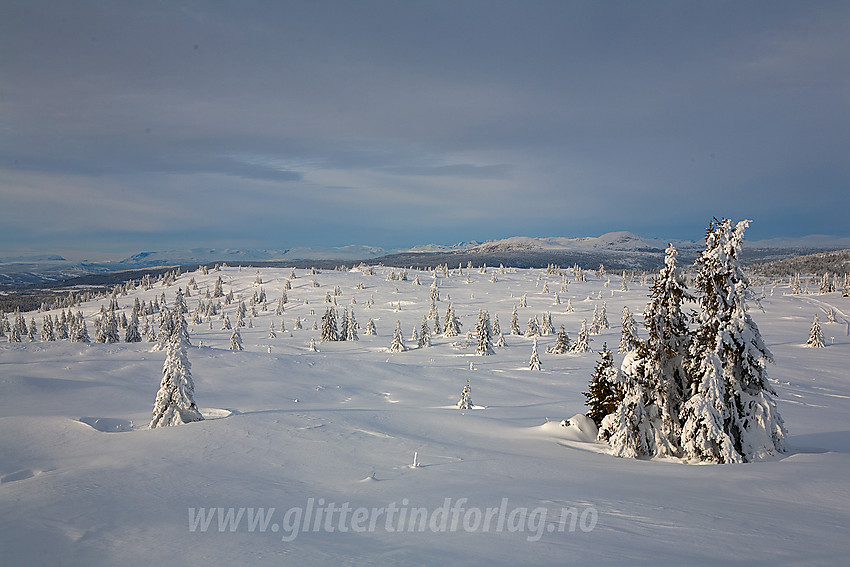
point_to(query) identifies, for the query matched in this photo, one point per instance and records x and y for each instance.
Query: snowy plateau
(354, 455)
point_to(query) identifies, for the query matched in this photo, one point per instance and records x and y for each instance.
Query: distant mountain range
(616, 250)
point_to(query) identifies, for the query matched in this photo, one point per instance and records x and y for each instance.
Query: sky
(131, 126)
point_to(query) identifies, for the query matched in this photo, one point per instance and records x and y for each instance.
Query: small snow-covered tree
(465, 401)
(582, 343)
(47, 332)
(132, 335)
(351, 327)
(424, 334)
(398, 340)
(562, 343)
(217, 291)
(329, 328)
(815, 335)
(236, 340)
(370, 328)
(594, 322)
(80, 333)
(483, 331)
(628, 337)
(533, 329)
(109, 329)
(534, 361)
(13, 335)
(546, 328)
(272, 333)
(452, 325)
(603, 395)
(515, 322)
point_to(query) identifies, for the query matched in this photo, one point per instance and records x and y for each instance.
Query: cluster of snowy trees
(696, 387)
(68, 326)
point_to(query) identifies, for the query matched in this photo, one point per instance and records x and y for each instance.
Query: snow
(84, 482)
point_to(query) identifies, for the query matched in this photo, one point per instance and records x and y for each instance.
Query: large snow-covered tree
(175, 402)
(652, 377)
(730, 415)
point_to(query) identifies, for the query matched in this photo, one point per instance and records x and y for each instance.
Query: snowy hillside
(305, 458)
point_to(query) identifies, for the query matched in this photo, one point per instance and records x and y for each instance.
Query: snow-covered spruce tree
(603, 317)
(272, 334)
(166, 329)
(437, 330)
(217, 291)
(452, 326)
(628, 337)
(424, 339)
(652, 377)
(534, 361)
(465, 401)
(582, 343)
(132, 335)
(13, 335)
(110, 329)
(546, 328)
(370, 328)
(815, 335)
(594, 322)
(398, 339)
(343, 325)
(562, 343)
(483, 332)
(80, 332)
(329, 330)
(351, 327)
(175, 402)
(604, 394)
(47, 332)
(515, 322)
(236, 340)
(730, 415)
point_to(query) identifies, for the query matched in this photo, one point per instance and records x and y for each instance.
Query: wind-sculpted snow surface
(310, 462)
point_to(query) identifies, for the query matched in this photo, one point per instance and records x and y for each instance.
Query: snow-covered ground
(84, 482)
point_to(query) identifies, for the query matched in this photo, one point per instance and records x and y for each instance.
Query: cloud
(448, 121)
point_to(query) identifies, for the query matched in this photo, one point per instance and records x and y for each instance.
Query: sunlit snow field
(84, 482)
